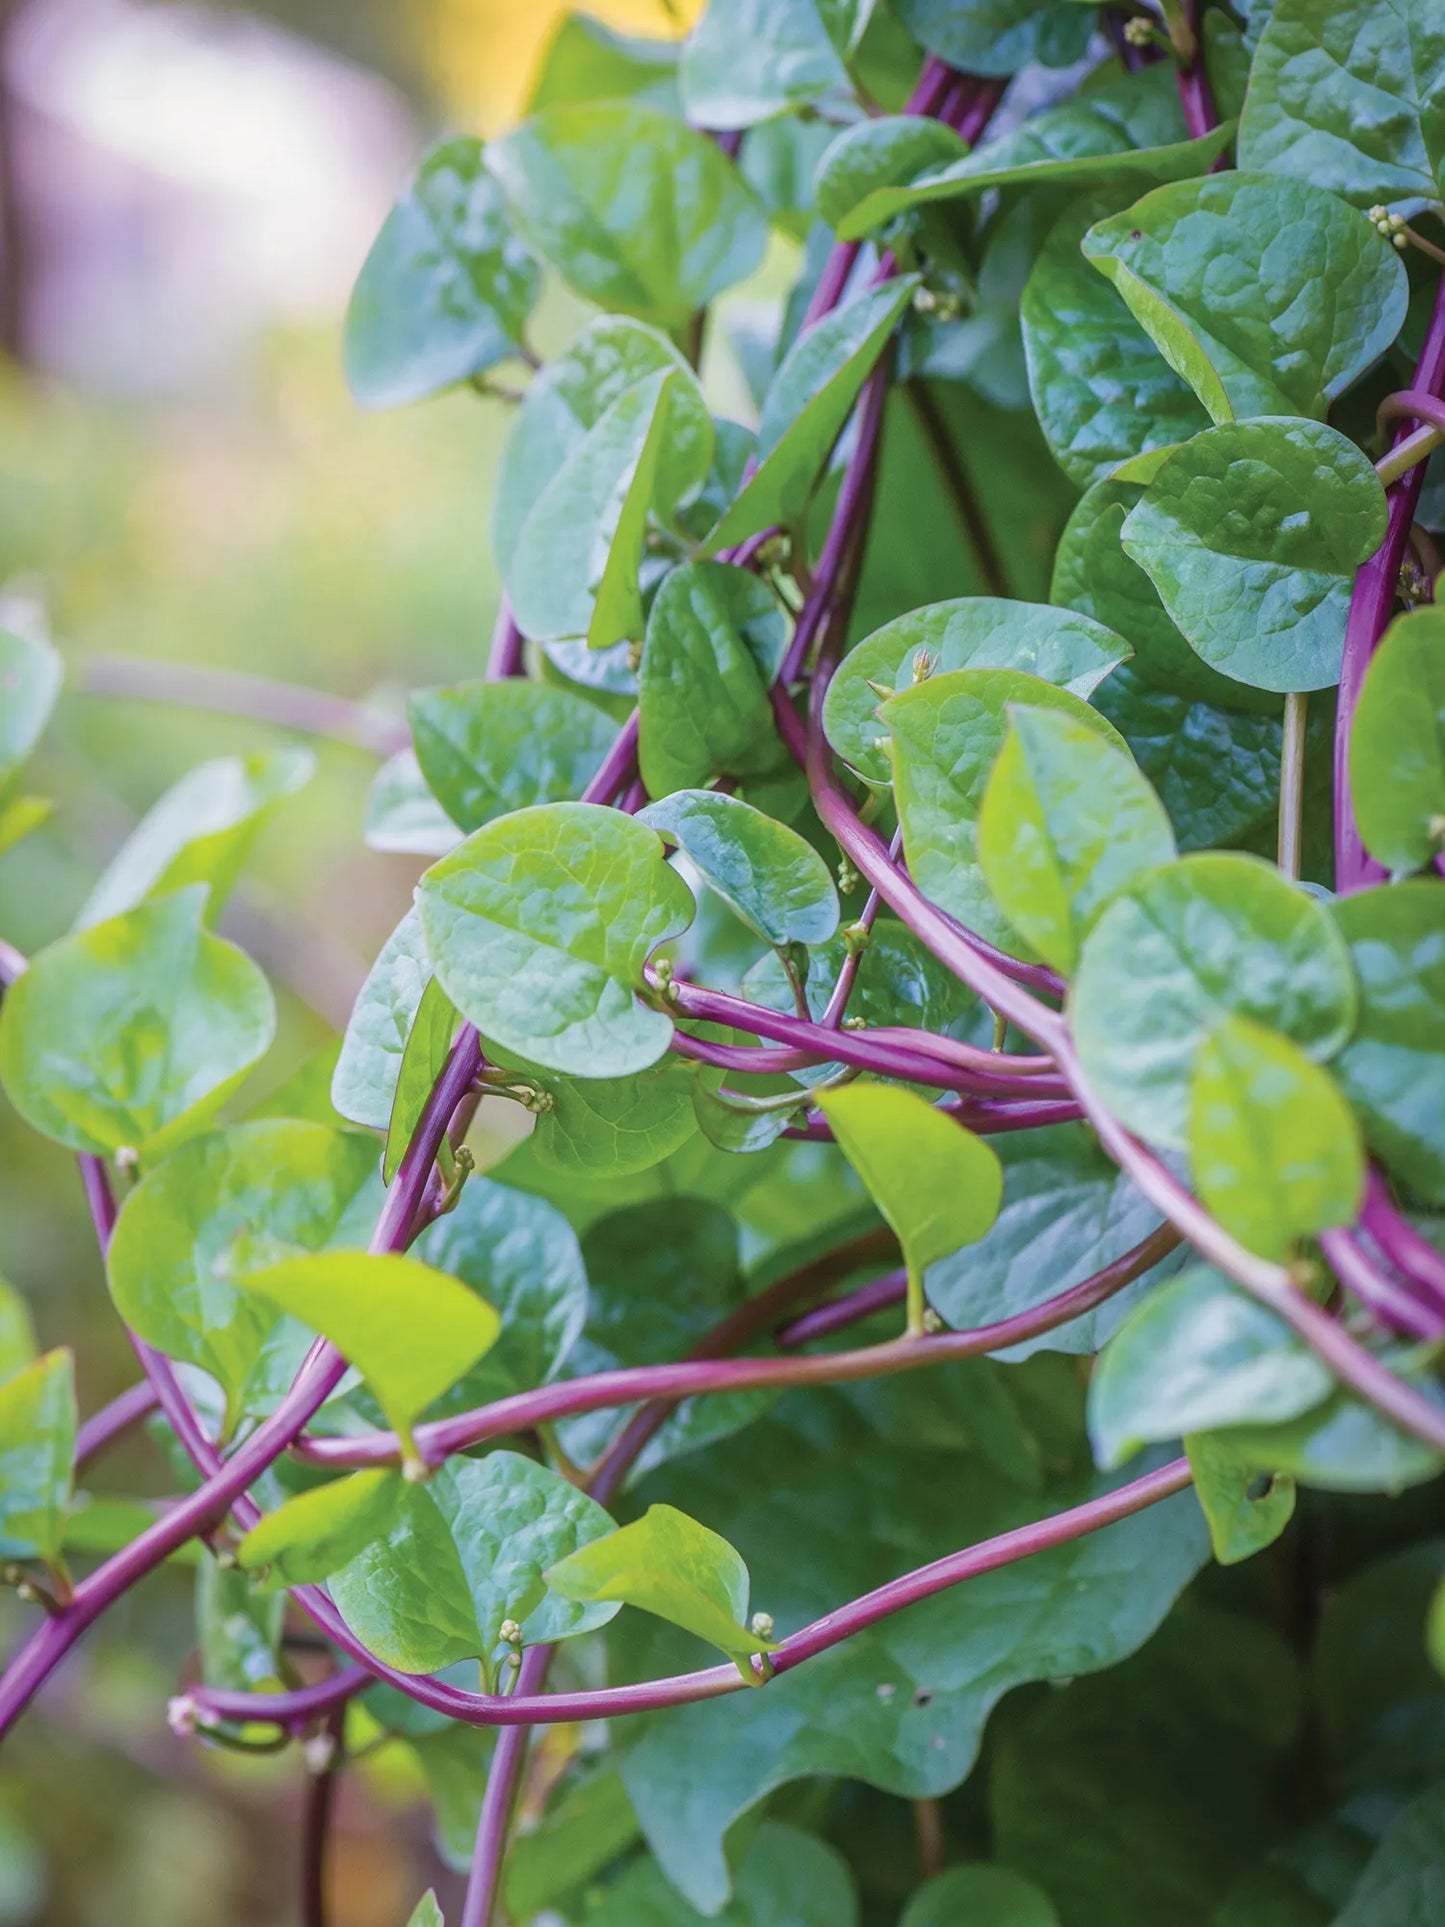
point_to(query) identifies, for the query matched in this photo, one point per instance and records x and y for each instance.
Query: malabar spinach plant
(946, 847)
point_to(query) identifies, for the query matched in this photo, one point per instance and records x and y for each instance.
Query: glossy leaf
(30, 679)
(1197, 1355)
(772, 877)
(174, 1255)
(465, 1552)
(785, 1875)
(1204, 938)
(489, 747)
(1268, 296)
(37, 1447)
(1252, 533)
(636, 210)
(998, 37)
(866, 172)
(747, 60)
(1067, 822)
(135, 1032)
(947, 733)
(1343, 1445)
(539, 926)
(17, 1333)
(409, 1330)
(447, 288)
(1397, 744)
(1246, 1510)
(974, 632)
(981, 1893)
(807, 403)
(612, 1126)
(402, 815)
(423, 1059)
(715, 640)
(426, 1912)
(311, 1536)
(1274, 1147)
(363, 1086)
(1391, 1068)
(667, 1564)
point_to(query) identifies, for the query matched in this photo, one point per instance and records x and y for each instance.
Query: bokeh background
(186, 194)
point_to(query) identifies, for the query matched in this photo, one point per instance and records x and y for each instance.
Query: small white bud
(318, 1752)
(181, 1716)
(510, 1631)
(762, 1625)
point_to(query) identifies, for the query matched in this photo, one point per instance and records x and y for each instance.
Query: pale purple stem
(505, 659)
(619, 766)
(1381, 1295)
(503, 1776)
(982, 1116)
(1401, 1243)
(1196, 97)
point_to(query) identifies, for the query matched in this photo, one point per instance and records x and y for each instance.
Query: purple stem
(1401, 1243)
(494, 1821)
(316, 1825)
(1381, 1295)
(1371, 606)
(505, 659)
(619, 766)
(982, 1116)
(1196, 97)
(104, 1427)
(890, 1289)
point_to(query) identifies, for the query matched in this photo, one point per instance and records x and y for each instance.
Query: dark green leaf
(1404, 1885)
(1343, 1445)
(998, 37)
(787, 1878)
(980, 1893)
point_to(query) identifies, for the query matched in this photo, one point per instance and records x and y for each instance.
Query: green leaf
(201, 831)
(1392, 1066)
(409, 1330)
(1210, 936)
(174, 1254)
(424, 1058)
(747, 60)
(21, 816)
(539, 926)
(1339, 94)
(1252, 533)
(1066, 1212)
(715, 640)
(947, 733)
(575, 568)
(1100, 388)
(489, 747)
(1397, 743)
(587, 1826)
(973, 632)
(363, 1087)
(1196, 1355)
(238, 1629)
(1274, 1147)
(786, 1876)
(135, 1032)
(1405, 1881)
(402, 815)
(866, 174)
(1224, 275)
(447, 288)
(426, 1912)
(1343, 1445)
(465, 1552)
(772, 877)
(1066, 823)
(997, 37)
(637, 211)
(938, 1185)
(668, 1564)
(37, 1448)
(311, 1536)
(613, 1126)
(571, 395)
(979, 1893)
(17, 1334)
(1246, 1511)
(30, 679)
(807, 403)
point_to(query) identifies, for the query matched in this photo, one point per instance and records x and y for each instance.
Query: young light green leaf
(938, 1185)
(402, 815)
(201, 831)
(1274, 1147)
(715, 640)
(1197, 1354)
(409, 1330)
(363, 1086)
(37, 1449)
(135, 1032)
(587, 60)
(1210, 936)
(1100, 388)
(1246, 1510)
(489, 747)
(426, 1912)
(447, 288)
(1397, 743)
(313, 1535)
(238, 1629)
(17, 1333)
(1393, 1067)
(1067, 822)
(668, 1564)
(946, 733)
(465, 1552)
(539, 926)
(575, 568)
(612, 1126)
(173, 1256)
(772, 877)
(980, 1893)
(974, 632)
(998, 37)
(637, 211)
(572, 394)
(747, 60)
(1225, 276)
(1340, 94)
(1252, 533)
(21, 816)
(30, 679)
(807, 403)
(423, 1059)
